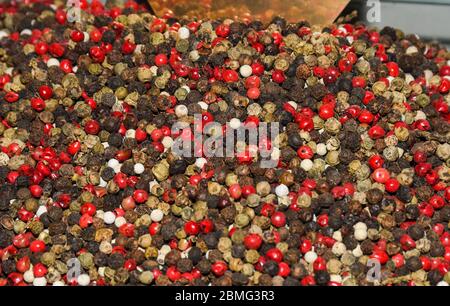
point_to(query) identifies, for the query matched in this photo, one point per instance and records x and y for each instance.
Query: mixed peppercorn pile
(92, 194)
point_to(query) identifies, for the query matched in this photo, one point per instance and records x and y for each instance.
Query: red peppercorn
(278, 219)
(36, 191)
(219, 268)
(92, 127)
(305, 152)
(278, 76)
(37, 104)
(392, 185)
(37, 246)
(74, 147)
(257, 69)
(140, 195)
(156, 135)
(235, 191)
(368, 97)
(326, 111)
(88, 208)
(223, 30)
(40, 48)
(322, 220)
(422, 169)
(267, 210)
(393, 69)
(365, 116)
(56, 49)
(359, 82)
(127, 229)
(376, 132)
(60, 16)
(77, 36)
(284, 269)
(376, 161)
(97, 54)
(253, 93)
(95, 35)
(420, 156)
(39, 270)
(207, 226)
(248, 190)
(436, 201)
(66, 66)
(85, 221)
(274, 254)
(46, 92)
(252, 241)
(399, 260)
(345, 65)
(191, 228)
(130, 265)
(128, 47)
(407, 242)
(23, 264)
(380, 175)
(432, 177)
(230, 76)
(161, 60)
(380, 255)
(320, 264)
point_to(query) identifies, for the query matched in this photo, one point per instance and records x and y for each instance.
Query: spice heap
(92, 194)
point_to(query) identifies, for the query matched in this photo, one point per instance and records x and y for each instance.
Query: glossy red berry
(376, 132)
(92, 127)
(359, 82)
(365, 116)
(140, 195)
(37, 246)
(253, 93)
(161, 60)
(56, 49)
(326, 111)
(191, 228)
(128, 47)
(274, 254)
(278, 219)
(223, 30)
(278, 76)
(40, 48)
(74, 147)
(252, 241)
(235, 191)
(230, 76)
(219, 268)
(77, 36)
(88, 208)
(46, 92)
(36, 191)
(37, 104)
(39, 270)
(392, 185)
(376, 161)
(305, 152)
(380, 175)
(97, 54)
(393, 69)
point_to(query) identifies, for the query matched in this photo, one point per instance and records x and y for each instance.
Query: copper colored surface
(315, 11)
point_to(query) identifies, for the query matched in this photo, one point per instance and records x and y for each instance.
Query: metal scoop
(315, 11)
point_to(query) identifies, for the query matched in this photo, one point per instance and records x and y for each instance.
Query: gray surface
(428, 19)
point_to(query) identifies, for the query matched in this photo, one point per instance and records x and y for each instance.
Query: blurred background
(430, 19)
